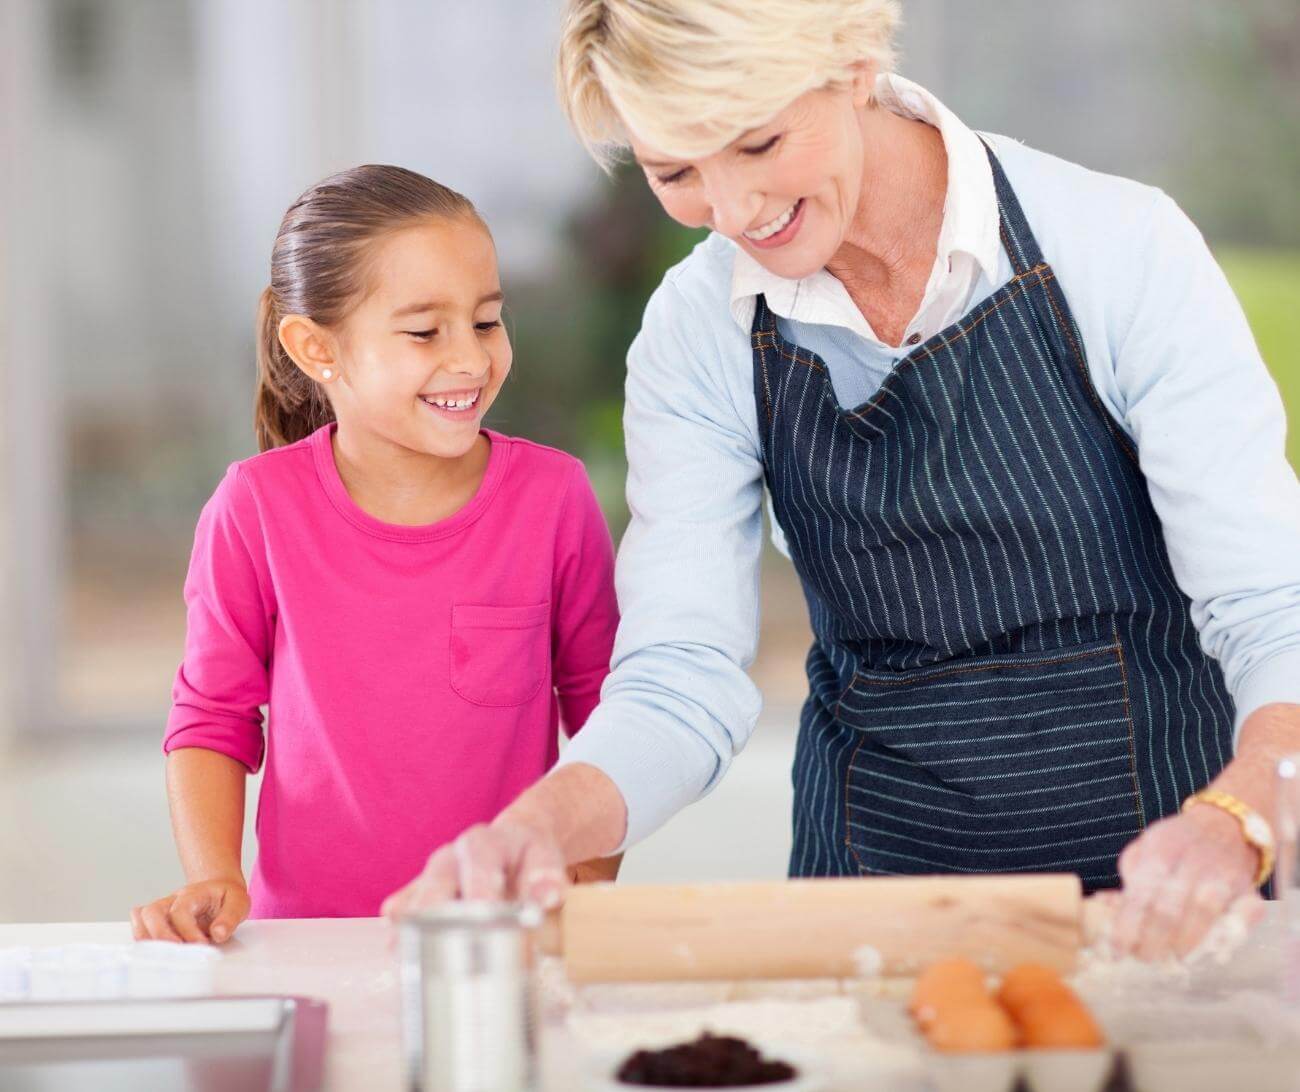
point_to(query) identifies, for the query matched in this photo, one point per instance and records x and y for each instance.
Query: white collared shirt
(969, 242)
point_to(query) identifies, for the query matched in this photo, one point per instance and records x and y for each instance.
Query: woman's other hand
(530, 851)
(505, 859)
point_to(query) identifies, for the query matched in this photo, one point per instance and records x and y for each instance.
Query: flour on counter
(867, 961)
(826, 1023)
(1101, 971)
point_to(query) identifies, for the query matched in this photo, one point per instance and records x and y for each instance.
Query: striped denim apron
(1004, 676)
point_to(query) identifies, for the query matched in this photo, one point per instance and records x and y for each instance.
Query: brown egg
(1057, 1025)
(1046, 1012)
(948, 982)
(1031, 982)
(971, 1028)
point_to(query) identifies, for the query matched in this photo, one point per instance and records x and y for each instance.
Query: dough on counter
(830, 1029)
(762, 1021)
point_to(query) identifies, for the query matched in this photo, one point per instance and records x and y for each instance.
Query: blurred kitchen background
(148, 149)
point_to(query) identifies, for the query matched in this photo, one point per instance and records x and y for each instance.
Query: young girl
(416, 600)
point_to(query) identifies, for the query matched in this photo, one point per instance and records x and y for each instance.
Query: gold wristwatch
(1254, 827)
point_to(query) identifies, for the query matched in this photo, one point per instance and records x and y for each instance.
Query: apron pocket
(500, 656)
(1023, 762)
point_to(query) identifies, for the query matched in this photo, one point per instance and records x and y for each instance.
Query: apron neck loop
(1017, 237)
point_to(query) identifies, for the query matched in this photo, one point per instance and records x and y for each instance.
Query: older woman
(1018, 443)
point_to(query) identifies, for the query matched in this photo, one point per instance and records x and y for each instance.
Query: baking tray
(193, 1044)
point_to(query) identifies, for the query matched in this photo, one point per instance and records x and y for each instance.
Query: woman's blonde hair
(690, 76)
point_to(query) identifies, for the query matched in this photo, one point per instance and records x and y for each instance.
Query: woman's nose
(733, 214)
(733, 202)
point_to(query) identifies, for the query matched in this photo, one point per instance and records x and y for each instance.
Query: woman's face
(424, 355)
(785, 192)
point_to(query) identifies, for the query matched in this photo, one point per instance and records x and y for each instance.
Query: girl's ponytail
(288, 406)
(317, 270)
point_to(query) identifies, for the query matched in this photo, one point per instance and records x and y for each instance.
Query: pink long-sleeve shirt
(414, 677)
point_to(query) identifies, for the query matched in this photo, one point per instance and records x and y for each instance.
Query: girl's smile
(457, 406)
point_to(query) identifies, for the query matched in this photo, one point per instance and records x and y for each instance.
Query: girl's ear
(310, 346)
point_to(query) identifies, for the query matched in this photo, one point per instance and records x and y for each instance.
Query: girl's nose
(468, 358)
(473, 369)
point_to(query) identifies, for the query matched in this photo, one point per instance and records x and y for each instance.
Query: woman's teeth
(773, 226)
(451, 403)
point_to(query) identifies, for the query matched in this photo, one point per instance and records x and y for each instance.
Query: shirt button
(915, 339)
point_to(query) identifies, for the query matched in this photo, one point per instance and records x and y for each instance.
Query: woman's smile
(780, 231)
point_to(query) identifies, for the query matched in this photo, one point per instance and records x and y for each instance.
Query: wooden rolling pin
(814, 928)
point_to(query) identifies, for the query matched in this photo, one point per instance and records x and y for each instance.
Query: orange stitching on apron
(1041, 273)
(1132, 742)
(859, 677)
(1125, 444)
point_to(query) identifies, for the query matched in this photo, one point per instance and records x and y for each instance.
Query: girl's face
(424, 355)
(785, 192)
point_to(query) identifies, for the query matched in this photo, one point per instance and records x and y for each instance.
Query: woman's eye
(669, 179)
(421, 335)
(485, 326)
(766, 146)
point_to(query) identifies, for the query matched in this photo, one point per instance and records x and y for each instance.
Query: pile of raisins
(711, 1061)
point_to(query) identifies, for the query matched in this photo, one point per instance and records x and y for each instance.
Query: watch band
(1254, 827)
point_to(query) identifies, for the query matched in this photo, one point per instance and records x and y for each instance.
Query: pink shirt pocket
(500, 655)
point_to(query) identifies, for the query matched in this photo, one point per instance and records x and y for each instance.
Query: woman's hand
(198, 913)
(574, 814)
(1180, 876)
(505, 859)
(1186, 871)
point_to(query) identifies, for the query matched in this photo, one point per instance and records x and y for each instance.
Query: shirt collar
(970, 213)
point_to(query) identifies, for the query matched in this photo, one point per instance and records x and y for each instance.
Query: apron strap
(1017, 237)
(764, 321)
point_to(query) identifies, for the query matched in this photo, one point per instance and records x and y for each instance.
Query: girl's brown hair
(318, 270)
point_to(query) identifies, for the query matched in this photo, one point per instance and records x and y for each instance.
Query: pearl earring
(326, 373)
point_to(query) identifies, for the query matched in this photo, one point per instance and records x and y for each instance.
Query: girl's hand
(1180, 876)
(506, 859)
(198, 913)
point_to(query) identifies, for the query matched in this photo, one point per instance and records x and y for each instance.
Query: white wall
(29, 440)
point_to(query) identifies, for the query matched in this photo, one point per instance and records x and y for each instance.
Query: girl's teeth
(452, 403)
(772, 227)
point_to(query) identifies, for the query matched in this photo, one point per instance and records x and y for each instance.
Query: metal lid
(476, 914)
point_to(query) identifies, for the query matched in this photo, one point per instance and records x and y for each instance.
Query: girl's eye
(766, 146)
(421, 335)
(485, 326)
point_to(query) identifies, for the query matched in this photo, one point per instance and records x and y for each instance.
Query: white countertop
(346, 962)
(352, 965)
